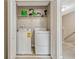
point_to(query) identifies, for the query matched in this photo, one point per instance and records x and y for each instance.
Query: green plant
(24, 12)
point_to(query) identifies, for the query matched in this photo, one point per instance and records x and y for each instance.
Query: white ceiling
(67, 2)
(67, 6)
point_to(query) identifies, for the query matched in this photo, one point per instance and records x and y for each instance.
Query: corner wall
(5, 30)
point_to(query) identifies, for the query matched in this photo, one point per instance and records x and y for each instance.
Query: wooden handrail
(69, 35)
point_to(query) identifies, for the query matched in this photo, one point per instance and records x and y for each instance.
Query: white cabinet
(45, 41)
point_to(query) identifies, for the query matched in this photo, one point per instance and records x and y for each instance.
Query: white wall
(68, 21)
(5, 29)
(68, 24)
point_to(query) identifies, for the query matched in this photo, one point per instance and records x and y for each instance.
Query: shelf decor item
(24, 12)
(34, 13)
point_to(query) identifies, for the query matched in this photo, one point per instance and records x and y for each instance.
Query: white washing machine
(42, 42)
(24, 42)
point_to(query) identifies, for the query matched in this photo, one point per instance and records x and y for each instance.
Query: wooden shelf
(33, 54)
(30, 16)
